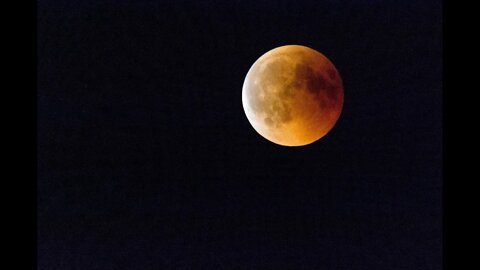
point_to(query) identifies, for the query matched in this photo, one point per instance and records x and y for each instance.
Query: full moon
(292, 95)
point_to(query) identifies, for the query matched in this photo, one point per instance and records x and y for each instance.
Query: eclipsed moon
(292, 95)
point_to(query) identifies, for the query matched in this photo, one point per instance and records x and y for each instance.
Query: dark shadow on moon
(314, 82)
(317, 85)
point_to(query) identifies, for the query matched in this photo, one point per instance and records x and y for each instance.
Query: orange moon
(292, 95)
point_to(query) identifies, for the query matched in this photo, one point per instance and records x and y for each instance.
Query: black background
(146, 159)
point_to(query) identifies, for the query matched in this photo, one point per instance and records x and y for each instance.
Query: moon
(293, 95)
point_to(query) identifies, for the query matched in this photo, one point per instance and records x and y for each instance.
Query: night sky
(146, 159)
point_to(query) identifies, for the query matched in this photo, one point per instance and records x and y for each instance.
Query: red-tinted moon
(292, 95)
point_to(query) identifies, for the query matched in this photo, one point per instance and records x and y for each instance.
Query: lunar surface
(292, 95)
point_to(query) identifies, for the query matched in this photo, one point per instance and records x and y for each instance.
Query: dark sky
(146, 159)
